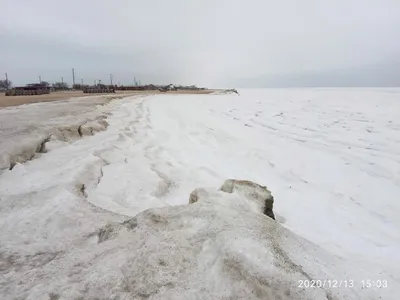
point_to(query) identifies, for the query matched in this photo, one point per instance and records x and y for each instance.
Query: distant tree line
(60, 86)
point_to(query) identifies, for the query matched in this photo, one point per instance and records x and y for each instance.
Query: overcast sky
(204, 42)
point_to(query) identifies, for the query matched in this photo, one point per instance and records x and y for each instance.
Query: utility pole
(73, 77)
(111, 78)
(82, 81)
(7, 84)
(94, 82)
(40, 79)
(62, 80)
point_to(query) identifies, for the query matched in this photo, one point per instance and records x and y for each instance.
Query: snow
(24, 128)
(330, 157)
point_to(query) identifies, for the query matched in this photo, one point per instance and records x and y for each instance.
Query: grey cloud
(382, 74)
(205, 42)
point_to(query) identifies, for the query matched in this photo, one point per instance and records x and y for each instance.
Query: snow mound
(215, 248)
(261, 199)
(223, 92)
(253, 197)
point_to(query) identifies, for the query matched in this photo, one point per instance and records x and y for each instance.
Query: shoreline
(10, 101)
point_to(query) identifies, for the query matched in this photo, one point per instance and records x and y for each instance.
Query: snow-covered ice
(331, 158)
(24, 129)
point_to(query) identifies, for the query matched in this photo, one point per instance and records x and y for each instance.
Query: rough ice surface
(259, 197)
(29, 130)
(106, 215)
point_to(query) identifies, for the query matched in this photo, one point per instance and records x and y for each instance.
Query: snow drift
(216, 248)
(30, 130)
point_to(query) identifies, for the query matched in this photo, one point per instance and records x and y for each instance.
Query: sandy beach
(6, 101)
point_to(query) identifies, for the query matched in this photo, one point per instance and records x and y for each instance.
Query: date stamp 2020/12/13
(335, 283)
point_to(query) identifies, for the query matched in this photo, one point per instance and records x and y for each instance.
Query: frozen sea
(71, 171)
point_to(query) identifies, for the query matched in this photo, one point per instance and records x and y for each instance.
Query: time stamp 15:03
(334, 283)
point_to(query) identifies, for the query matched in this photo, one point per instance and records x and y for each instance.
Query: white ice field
(94, 196)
